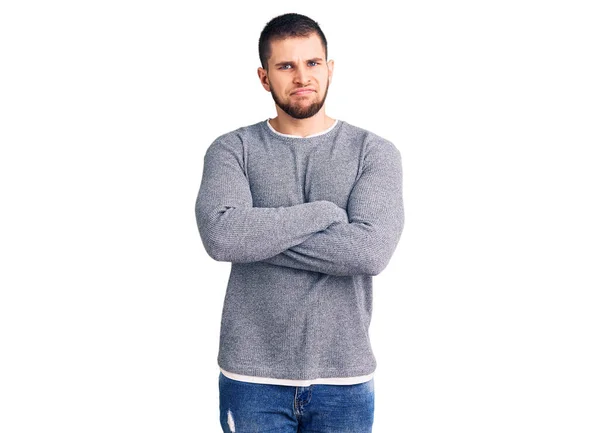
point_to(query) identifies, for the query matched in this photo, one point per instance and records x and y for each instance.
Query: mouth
(300, 92)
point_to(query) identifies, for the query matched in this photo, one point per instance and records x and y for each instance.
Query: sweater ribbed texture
(306, 222)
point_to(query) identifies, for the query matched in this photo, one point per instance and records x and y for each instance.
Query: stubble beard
(298, 111)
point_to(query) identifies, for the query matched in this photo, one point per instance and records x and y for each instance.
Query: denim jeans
(260, 408)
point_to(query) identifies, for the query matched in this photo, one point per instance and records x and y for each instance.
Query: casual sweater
(306, 222)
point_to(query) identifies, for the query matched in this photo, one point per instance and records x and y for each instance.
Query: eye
(313, 62)
(284, 66)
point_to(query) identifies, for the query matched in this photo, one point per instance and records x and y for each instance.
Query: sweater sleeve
(232, 229)
(364, 244)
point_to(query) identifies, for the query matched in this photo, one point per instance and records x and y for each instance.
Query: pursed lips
(302, 91)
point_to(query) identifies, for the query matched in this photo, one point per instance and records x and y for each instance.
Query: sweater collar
(299, 136)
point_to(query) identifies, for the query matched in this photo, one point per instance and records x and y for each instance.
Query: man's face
(298, 63)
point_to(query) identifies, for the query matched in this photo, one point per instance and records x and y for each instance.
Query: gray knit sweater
(305, 222)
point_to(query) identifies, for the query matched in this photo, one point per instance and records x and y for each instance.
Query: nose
(301, 76)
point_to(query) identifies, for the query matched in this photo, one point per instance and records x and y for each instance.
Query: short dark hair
(287, 26)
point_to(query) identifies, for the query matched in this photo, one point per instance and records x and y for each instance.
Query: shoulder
(240, 134)
(369, 140)
(234, 140)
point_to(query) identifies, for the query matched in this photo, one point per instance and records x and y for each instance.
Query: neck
(286, 124)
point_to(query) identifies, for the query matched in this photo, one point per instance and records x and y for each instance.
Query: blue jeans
(259, 408)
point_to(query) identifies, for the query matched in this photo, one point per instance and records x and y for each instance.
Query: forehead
(296, 48)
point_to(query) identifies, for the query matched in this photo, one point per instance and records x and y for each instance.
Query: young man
(307, 209)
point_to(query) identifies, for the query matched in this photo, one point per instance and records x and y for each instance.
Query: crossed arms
(317, 236)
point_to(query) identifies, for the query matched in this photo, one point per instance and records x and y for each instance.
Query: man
(307, 209)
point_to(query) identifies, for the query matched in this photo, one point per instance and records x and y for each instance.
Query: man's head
(293, 54)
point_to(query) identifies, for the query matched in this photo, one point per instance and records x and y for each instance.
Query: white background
(487, 317)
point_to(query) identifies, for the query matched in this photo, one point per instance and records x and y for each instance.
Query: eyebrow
(315, 59)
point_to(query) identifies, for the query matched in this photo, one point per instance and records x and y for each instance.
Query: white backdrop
(485, 320)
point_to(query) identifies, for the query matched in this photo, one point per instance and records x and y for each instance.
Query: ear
(330, 65)
(264, 79)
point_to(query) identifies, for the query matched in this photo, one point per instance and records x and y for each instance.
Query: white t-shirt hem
(293, 382)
